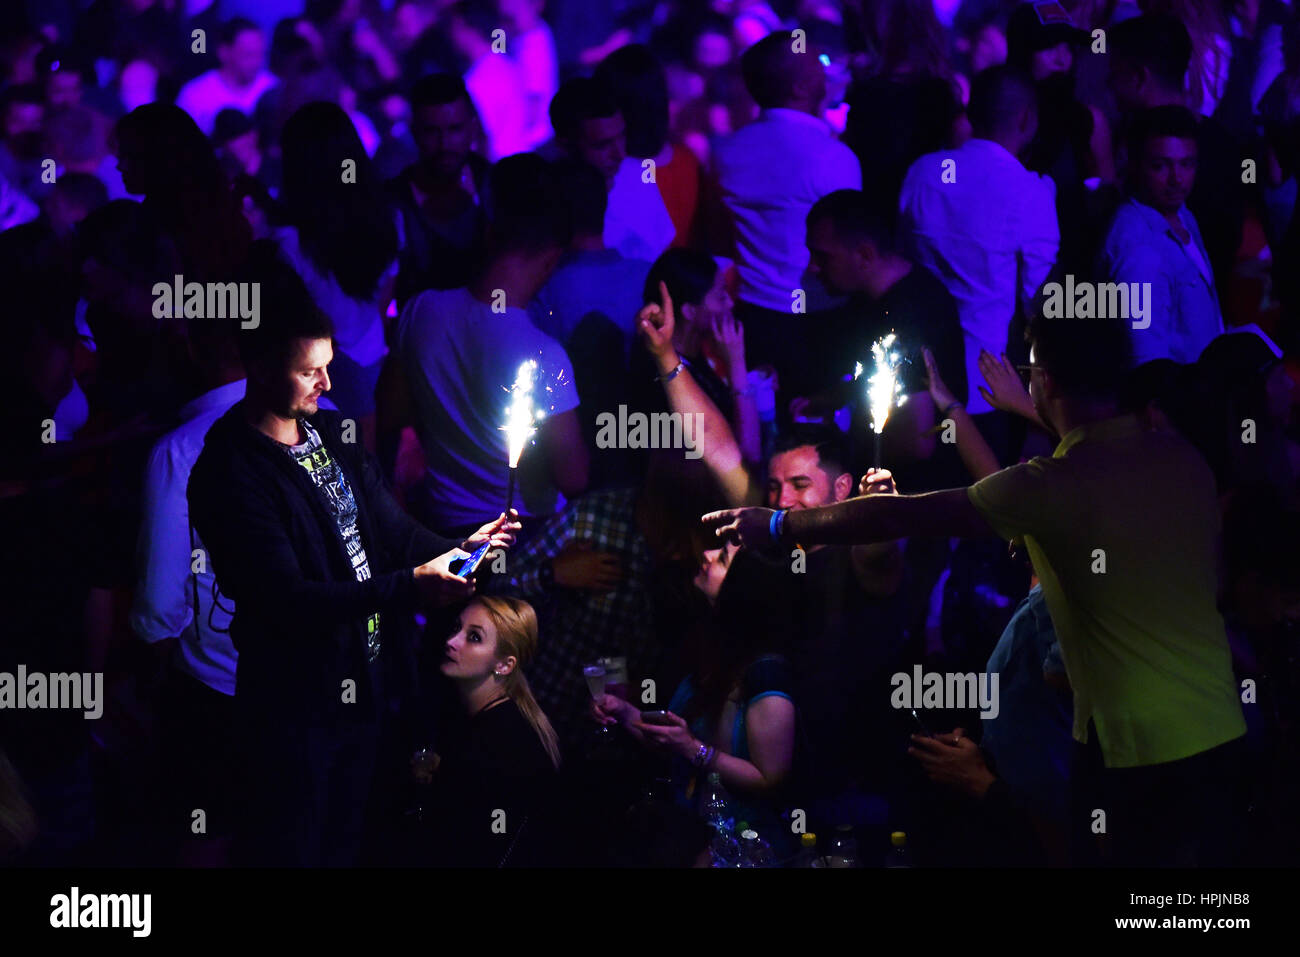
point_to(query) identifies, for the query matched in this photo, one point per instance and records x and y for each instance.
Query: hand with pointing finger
(748, 526)
(656, 323)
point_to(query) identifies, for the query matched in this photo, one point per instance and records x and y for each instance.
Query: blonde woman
(500, 755)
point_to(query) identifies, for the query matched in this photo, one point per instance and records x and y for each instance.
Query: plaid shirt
(579, 626)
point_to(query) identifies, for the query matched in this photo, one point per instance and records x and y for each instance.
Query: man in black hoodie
(325, 570)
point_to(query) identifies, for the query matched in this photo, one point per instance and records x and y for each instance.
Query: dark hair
(583, 189)
(1171, 120)
(1158, 41)
(125, 238)
(287, 311)
(907, 33)
(688, 273)
(479, 16)
(827, 442)
(232, 28)
(1087, 358)
(437, 89)
(756, 613)
(185, 187)
(28, 93)
(998, 97)
(579, 99)
(640, 88)
(854, 217)
(763, 67)
(57, 58)
(346, 229)
(524, 206)
(290, 51)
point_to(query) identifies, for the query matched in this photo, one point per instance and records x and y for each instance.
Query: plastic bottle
(899, 855)
(754, 851)
(844, 848)
(715, 805)
(808, 851)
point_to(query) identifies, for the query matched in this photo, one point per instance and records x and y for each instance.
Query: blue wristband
(776, 524)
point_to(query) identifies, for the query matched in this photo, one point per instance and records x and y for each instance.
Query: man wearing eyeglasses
(1122, 526)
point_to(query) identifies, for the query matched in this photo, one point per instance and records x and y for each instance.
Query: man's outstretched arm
(859, 521)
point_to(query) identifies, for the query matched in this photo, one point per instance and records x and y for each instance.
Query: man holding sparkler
(326, 571)
(456, 369)
(1121, 524)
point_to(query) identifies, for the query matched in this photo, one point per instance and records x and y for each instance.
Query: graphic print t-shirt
(334, 489)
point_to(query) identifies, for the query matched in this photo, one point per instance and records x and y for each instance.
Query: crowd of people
(283, 277)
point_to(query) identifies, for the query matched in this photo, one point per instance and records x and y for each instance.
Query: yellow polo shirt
(1121, 524)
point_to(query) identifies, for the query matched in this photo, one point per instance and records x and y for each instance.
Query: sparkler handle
(876, 459)
(510, 491)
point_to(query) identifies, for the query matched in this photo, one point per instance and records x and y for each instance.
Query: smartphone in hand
(921, 725)
(470, 565)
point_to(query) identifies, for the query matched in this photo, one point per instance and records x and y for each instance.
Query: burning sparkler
(520, 421)
(884, 390)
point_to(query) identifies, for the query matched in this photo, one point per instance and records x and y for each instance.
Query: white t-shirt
(986, 226)
(534, 51)
(637, 223)
(497, 87)
(207, 95)
(460, 360)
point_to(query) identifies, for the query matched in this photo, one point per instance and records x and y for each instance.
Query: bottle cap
(898, 838)
(808, 840)
(749, 835)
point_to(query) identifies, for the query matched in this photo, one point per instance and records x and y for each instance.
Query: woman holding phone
(499, 756)
(735, 713)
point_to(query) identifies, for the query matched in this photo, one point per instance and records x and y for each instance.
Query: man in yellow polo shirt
(1121, 524)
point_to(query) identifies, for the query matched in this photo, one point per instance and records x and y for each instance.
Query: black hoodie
(299, 624)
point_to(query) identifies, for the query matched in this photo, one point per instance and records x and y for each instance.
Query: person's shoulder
(202, 83)
(766, 673)
(513, 740)
(222, 447)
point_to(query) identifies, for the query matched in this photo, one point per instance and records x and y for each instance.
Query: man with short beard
(326, 572)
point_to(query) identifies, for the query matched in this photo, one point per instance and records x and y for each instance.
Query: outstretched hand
(748, 526)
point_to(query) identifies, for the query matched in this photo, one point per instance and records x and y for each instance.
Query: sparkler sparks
(884, 389)
(520, 415)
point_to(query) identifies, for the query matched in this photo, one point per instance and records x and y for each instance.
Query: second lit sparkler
(884, 390)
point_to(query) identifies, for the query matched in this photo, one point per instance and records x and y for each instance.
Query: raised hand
(1006, 390)
(939, 391)
(877, 482)
(656, 323)
(729, 335)
(499, 531)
